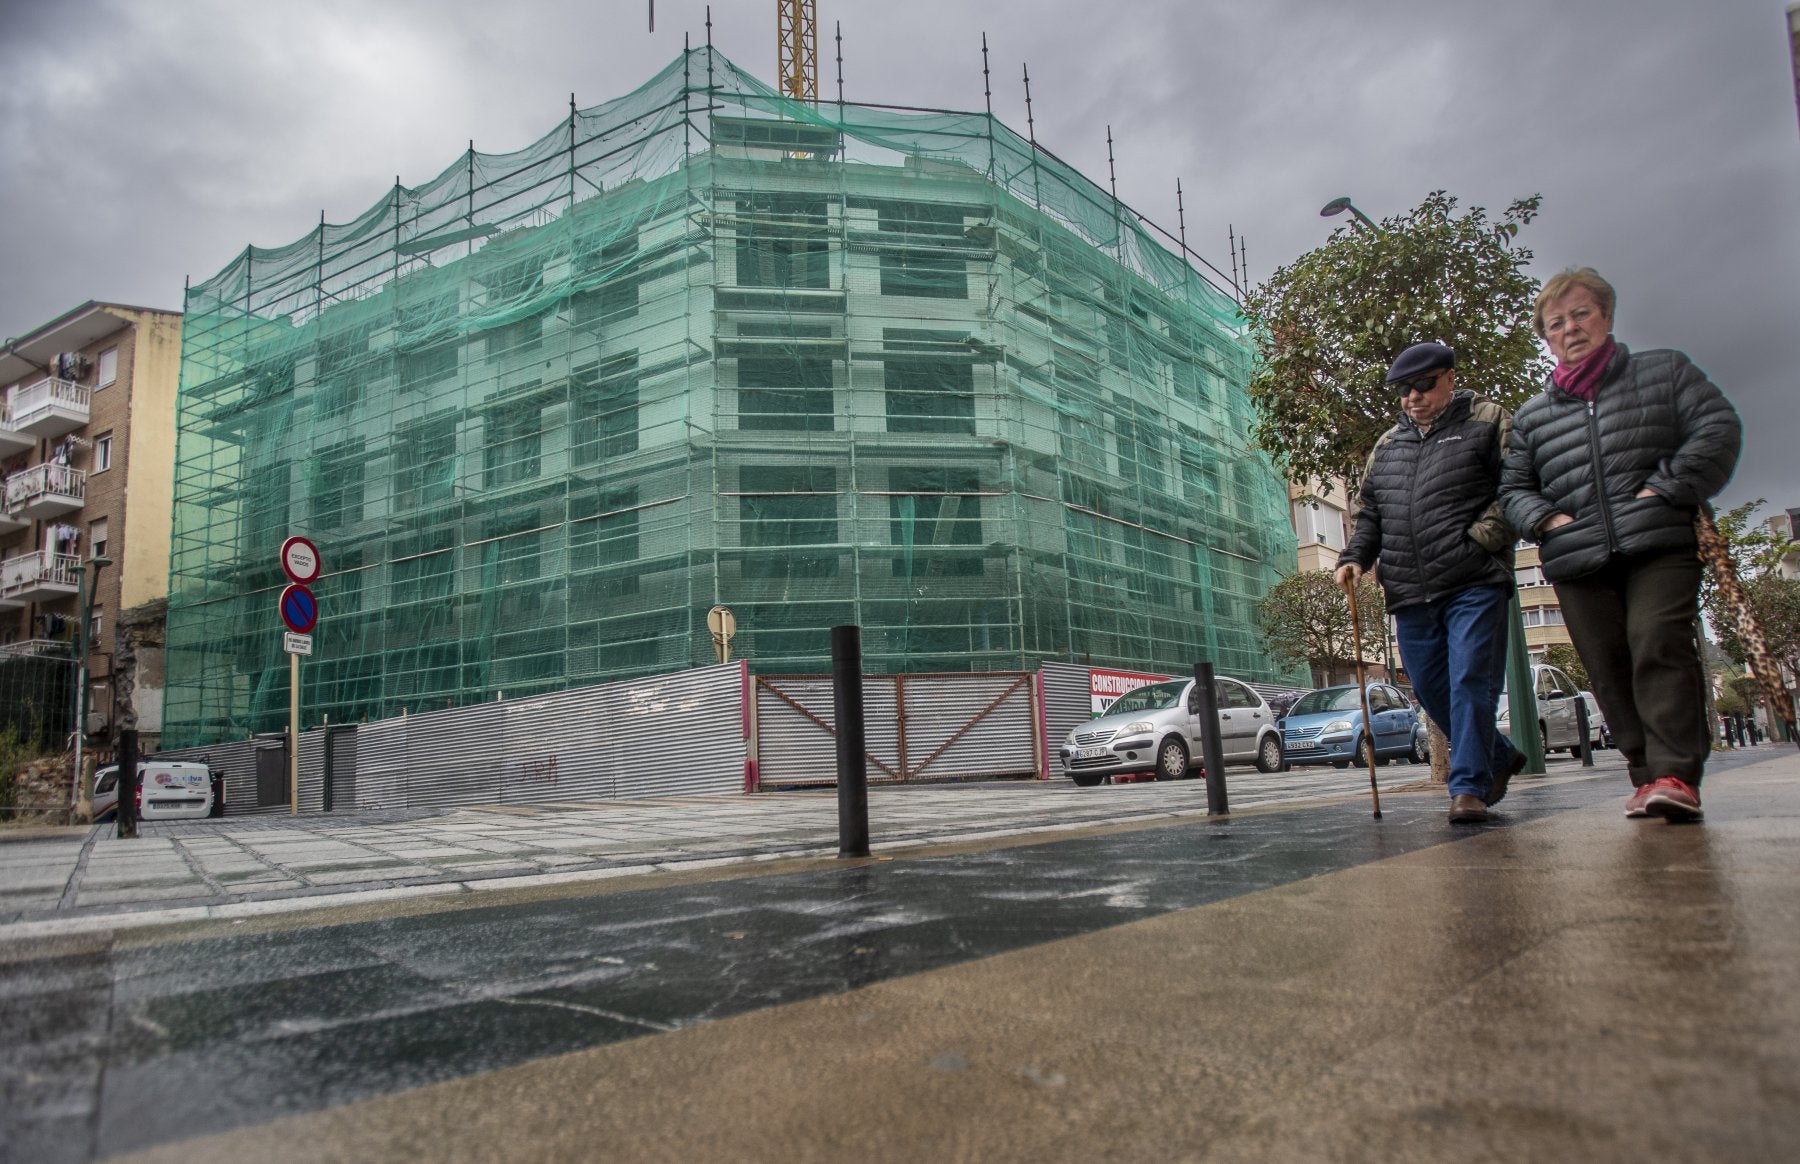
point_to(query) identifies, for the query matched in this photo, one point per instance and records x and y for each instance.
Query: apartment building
(87, 439)
(1321, 524)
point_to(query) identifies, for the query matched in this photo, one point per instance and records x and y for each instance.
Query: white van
(167, 790)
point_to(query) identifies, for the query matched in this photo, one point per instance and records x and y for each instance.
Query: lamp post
(85, 588)
(1339, 205)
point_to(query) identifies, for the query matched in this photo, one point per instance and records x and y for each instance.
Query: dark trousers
(1632, 622)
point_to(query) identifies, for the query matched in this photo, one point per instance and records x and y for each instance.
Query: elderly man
(1426, 514)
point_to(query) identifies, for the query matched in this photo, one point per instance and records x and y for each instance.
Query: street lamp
(83, 617)
(1339, 205)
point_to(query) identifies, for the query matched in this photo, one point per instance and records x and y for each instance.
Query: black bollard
(852, 762)
(1586, 732)
(128, 783)
(1212, 749)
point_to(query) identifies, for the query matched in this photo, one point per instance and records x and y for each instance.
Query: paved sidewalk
(238, 866)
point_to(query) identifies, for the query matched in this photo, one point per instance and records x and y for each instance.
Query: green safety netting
(707, 345)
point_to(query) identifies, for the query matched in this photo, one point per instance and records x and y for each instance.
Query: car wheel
(1086, 779)
(1268, 755)
(1417, 752)
(1171, 760)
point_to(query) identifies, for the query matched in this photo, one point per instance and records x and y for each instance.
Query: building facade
(88, 436)
(706, 346)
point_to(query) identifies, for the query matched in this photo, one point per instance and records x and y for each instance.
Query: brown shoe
(1467, 810)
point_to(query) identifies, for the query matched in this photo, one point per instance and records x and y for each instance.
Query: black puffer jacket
(1656, 421)
(1426, 511)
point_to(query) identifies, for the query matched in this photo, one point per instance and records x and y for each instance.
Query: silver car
(1556, 695)
(1156, 729)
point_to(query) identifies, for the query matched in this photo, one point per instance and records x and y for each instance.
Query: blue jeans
(1455, 653)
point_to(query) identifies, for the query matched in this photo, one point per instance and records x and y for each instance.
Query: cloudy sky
(143, 141)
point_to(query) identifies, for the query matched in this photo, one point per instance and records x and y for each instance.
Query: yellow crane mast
(797, 50)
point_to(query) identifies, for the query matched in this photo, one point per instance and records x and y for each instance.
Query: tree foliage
(1328, 326)
(1756, 550)
(1565, 657)
(1306, 619)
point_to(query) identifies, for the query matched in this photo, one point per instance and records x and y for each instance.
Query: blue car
(1324, 726)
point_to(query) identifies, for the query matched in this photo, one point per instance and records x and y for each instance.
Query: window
(930, 381)
(337, 486)
(341, 364)
(425, 456)
(109, 368)
(97, 538)
(926, 272)
(781, 242)
(514, 441)
(102, 452)
(789, 506)
(786, 392)
(603, 410)
(603, 531)
(933, 508)
(96, 620)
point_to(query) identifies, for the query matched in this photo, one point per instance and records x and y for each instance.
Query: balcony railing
(12, 441)
(50, 407)
(38, 648)
(44, 491)
(39, 575)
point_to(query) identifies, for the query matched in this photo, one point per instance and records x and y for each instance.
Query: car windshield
(1327, 699)
(1155, 697)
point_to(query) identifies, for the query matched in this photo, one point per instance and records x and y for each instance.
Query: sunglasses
(1419, 384)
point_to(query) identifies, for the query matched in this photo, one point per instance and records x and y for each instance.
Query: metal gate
(915, 727)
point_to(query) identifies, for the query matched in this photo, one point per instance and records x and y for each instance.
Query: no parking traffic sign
(299, 609)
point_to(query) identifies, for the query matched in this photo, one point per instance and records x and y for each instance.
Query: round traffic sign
(300, 558)
(299, 609)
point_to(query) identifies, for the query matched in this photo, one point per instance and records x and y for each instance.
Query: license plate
(1091, 753)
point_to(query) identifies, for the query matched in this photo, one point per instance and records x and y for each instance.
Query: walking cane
(1362, 689)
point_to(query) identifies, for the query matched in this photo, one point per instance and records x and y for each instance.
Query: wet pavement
(1293, 982)
(77, 880)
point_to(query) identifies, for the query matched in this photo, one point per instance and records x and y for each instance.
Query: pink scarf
(1582, 378)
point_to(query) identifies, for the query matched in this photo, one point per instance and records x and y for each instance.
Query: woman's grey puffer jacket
(1655, 421)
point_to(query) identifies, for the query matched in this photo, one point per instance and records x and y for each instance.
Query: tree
(1567, 659)
(1775, 601)
(1306, 619)
(1327, 327)
(1755, 551)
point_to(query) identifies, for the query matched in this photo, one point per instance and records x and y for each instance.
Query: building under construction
(708, 345)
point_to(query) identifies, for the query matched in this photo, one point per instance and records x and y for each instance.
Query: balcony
(50, 407)
(40, 576)
(45, 491)
(12, 441)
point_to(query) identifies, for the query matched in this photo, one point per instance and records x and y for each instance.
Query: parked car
(1324, 727)
(1556, 694)
(1598, 733)
(1156, 729)
(167, 790)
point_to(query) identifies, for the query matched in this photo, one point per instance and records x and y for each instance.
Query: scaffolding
(707, 345)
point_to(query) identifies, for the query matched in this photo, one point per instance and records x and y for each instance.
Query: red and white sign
(1106, 686)
(300, 558)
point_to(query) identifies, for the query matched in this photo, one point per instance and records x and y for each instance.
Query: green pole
(1521, 692)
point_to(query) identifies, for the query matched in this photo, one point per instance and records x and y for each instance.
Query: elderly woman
(1606, 470)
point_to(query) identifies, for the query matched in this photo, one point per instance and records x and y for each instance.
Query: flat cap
(1420, 359)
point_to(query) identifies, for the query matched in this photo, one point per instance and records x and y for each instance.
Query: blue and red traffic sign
(299, 609)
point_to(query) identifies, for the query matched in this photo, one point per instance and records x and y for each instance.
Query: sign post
(300, 611)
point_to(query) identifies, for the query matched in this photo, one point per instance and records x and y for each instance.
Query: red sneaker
(1672, 799)
(1640, 796)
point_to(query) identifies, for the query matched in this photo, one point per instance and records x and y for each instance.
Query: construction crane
(797, 48)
